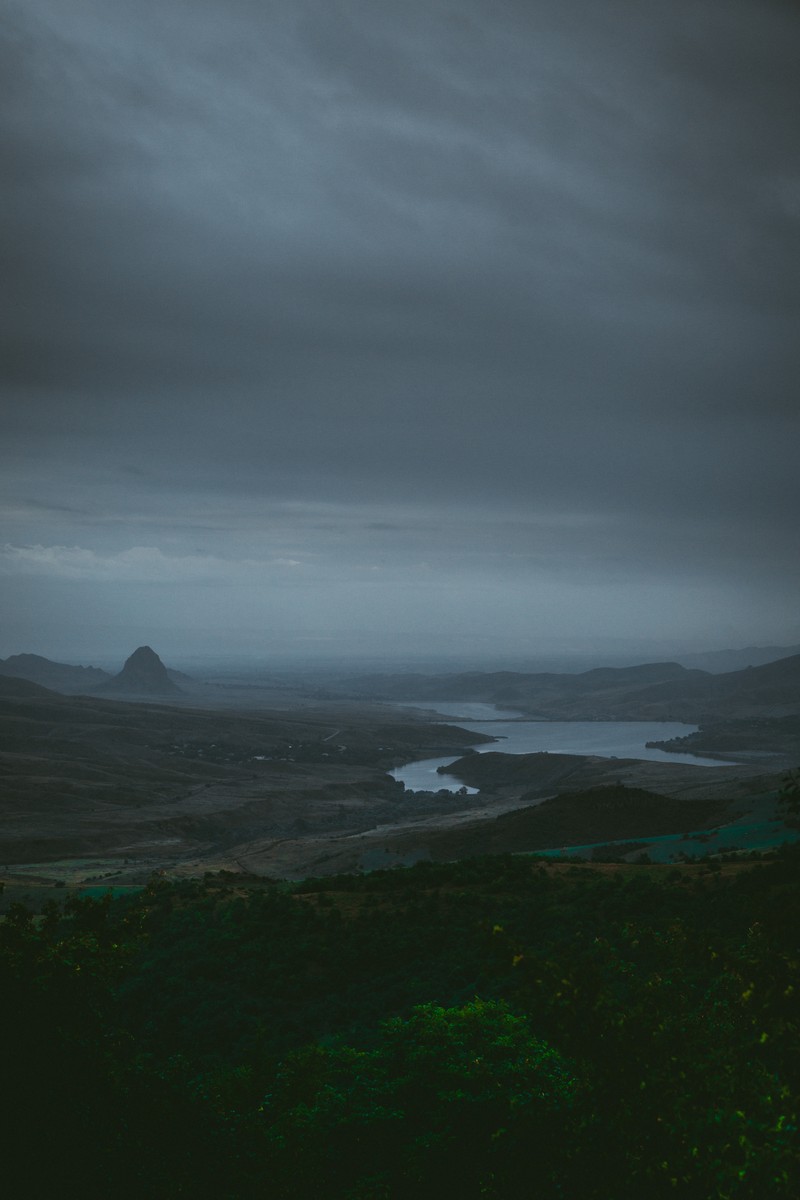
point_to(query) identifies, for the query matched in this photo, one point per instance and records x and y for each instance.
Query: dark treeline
(492, 1028)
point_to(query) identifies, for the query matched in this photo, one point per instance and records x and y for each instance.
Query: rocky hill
(143, 674)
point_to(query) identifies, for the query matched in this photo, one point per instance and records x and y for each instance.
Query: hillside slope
(59, 677)
(652, 691)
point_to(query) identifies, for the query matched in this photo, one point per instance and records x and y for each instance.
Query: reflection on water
(609, 739)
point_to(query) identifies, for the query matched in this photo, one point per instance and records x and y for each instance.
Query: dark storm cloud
(533, 263)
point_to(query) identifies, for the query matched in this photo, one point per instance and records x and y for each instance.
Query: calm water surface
(611, 739)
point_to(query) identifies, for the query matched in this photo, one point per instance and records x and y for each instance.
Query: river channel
(520, 735)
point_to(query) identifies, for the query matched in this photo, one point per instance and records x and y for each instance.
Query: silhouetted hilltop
(59, 677)
(144, 674)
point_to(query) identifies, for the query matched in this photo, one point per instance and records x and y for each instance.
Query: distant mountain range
(653, 692)
(143, 674)
(59, 677)
(718, 661)
(662, 691)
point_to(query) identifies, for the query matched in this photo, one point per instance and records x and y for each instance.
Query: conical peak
(144, 672)
(144, 654)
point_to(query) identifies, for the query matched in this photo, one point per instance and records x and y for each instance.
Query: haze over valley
(114, 775)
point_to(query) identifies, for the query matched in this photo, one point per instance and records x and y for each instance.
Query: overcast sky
(399, 325)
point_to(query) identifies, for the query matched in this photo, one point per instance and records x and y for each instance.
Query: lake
(611, 739)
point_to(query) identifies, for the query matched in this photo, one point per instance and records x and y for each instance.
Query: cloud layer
(477, 300)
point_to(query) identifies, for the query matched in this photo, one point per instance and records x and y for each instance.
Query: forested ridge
(497, 1028)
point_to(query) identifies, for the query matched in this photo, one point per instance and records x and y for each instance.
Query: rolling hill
(652, 692)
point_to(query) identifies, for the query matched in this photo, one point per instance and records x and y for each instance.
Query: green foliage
(487, 1028)
(452, 1101)
(85, 1114)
